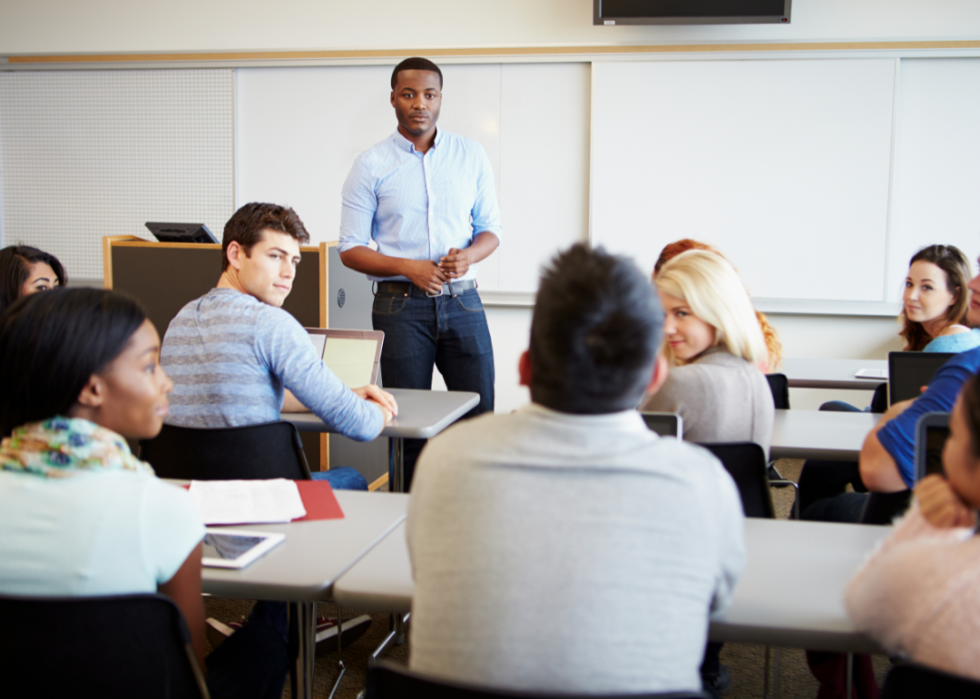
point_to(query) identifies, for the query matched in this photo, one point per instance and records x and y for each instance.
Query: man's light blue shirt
(419, 205)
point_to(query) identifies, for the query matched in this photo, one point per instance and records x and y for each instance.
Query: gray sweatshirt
(569, 553)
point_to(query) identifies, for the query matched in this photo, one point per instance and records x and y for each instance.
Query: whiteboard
(937, 162)
(298, 131)
(783, 165)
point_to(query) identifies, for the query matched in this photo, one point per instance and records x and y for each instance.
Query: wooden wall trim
(108, 242)
(527, 51)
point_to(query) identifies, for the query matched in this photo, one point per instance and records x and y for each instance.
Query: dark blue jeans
(448, 332)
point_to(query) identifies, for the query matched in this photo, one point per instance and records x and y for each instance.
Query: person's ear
(392, 98)
(660, 370)
(93, 392)
(524, 368)
(235, 254)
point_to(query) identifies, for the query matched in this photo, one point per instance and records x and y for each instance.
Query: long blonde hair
(712, 290)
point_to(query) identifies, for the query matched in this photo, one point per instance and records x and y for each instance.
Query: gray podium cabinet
(166, 276)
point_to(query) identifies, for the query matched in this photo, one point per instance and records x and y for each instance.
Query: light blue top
(419, 205)
(231, 356)
(96, 533)
(954, 343)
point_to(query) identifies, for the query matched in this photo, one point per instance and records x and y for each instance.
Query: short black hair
(415, 63)
(246, 225)
(52, 343)
(15, 261)
(595, 333)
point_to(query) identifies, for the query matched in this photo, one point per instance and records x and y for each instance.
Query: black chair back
(879, 401)
(266, 450)
(916, 681)
(746, 463)
(883, 508)
(108, 647)
(779, 385)
(387, 681)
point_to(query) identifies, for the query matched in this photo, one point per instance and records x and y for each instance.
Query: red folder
(319, 501)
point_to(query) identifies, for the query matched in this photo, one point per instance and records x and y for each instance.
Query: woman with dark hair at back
(79, 372)
(25, 270)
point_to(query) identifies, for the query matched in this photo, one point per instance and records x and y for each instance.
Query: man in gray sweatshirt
(564, 547)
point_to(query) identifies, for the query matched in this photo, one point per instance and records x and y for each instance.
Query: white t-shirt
(97, 533)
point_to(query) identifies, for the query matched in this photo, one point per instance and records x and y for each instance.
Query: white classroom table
(791, 593)
(815, 434)
(303, 569)
(421, 415)
(832, 373)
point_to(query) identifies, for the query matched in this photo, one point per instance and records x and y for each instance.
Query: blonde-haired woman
(713, 342)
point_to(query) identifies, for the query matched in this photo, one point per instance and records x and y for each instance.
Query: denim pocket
(389, 304)
(470, 302)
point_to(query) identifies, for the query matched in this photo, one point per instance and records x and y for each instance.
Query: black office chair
(746, 463)
(108, 647)
(387, 681)
(883, 508)
(266, 450)
(909, 681)
(879, 401)
(779, 385)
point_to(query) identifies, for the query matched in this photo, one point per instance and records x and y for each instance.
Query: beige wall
(104, 26)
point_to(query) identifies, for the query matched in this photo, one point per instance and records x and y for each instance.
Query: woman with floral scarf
(82, 516)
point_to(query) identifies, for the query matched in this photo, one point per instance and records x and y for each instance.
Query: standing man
(426, 198)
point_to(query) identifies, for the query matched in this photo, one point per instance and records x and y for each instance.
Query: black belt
(406, 288)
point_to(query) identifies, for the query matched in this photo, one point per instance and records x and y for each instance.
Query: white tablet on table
(237, 549)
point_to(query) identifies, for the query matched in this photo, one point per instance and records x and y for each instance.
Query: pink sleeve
(898, 583)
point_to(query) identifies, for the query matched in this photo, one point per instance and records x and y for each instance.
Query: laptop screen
(908, 372)
(354, 356)
(931, 432)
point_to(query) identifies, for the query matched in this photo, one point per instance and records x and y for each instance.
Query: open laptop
(908, 372)
(353, 355)
(664, 424)
(931, 432)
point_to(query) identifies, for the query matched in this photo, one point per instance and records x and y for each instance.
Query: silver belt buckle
(435, 296)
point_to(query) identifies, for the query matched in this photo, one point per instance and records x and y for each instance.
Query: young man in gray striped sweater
(236, 358)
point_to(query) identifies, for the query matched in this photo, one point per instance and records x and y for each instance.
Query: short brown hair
(246, 225)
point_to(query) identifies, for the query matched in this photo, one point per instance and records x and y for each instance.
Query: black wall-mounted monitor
(182, 233)
(613, 12)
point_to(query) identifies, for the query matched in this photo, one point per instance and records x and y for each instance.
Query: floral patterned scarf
(63, 447)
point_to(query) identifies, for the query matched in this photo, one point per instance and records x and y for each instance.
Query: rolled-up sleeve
(359, 204)
(486, 211)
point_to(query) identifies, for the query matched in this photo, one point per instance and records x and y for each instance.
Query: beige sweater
(721, 398)
(919, 595)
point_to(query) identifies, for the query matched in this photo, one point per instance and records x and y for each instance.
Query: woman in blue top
(936, 300)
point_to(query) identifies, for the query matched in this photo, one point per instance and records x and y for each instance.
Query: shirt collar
(408, 146)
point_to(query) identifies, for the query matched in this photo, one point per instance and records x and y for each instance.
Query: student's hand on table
(455, 263)
(381, 398)
(940, 504)
(426, 274)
